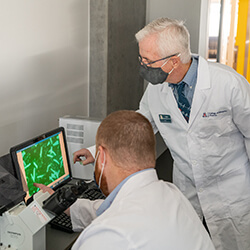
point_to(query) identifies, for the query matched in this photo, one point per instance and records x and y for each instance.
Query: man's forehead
(148, 50)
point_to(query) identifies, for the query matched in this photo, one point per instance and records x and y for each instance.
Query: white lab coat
(211, 152)
(146, 214)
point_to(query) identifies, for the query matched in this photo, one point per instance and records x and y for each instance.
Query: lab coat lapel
(203, 83)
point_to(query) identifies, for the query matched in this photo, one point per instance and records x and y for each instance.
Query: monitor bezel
(15, 149)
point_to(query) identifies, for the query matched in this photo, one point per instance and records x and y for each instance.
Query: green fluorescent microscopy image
(43, 163)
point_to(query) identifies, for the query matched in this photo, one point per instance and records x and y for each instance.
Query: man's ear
(175, 60)
(102, 155)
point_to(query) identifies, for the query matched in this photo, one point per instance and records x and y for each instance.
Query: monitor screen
(43, 160)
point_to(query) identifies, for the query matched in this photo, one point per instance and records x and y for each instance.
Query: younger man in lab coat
(140, 211)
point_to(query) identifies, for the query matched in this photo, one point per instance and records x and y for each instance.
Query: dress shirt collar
(191, 75)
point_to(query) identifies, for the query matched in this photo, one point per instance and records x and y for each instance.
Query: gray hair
(173, 37)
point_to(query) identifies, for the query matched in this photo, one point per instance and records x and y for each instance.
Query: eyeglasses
(150, 63)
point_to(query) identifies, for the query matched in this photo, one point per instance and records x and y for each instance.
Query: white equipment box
(23, 227)
(80, 133)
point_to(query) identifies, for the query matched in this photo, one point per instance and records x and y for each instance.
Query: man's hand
(50, 191)
(83, 153)
(44, 188)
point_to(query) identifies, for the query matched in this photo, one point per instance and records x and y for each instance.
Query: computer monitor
(43, 159)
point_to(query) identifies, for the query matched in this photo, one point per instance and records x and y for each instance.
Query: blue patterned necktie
(183, 103)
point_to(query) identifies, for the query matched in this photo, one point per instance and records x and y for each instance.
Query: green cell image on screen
(43, 163)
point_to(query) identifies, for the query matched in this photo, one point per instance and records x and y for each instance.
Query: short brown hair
(129, 138)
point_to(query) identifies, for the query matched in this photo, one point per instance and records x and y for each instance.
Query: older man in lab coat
(209, 139)
(140, 211)
(202, 111)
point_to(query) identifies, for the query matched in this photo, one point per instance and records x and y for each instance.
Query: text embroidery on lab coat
(165, 118)
(208, 114)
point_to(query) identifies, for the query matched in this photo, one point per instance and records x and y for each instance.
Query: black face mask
(153, 75)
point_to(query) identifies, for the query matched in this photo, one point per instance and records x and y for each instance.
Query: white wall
(43, 66)
(44, 60)
(187, 10)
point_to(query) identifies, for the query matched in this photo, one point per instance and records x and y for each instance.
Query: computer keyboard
(92, 194)
(62, 222)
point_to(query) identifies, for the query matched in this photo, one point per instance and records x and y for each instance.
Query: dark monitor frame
(15, 149)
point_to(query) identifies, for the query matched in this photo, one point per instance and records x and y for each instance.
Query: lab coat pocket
(214, 134)
(234, 192)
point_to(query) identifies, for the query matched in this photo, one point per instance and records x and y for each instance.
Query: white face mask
(103, 164)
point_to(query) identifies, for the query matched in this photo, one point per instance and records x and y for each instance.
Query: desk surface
(59, 240)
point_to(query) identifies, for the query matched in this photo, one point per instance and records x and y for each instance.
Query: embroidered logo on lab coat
(165, 118)
(208, 114)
